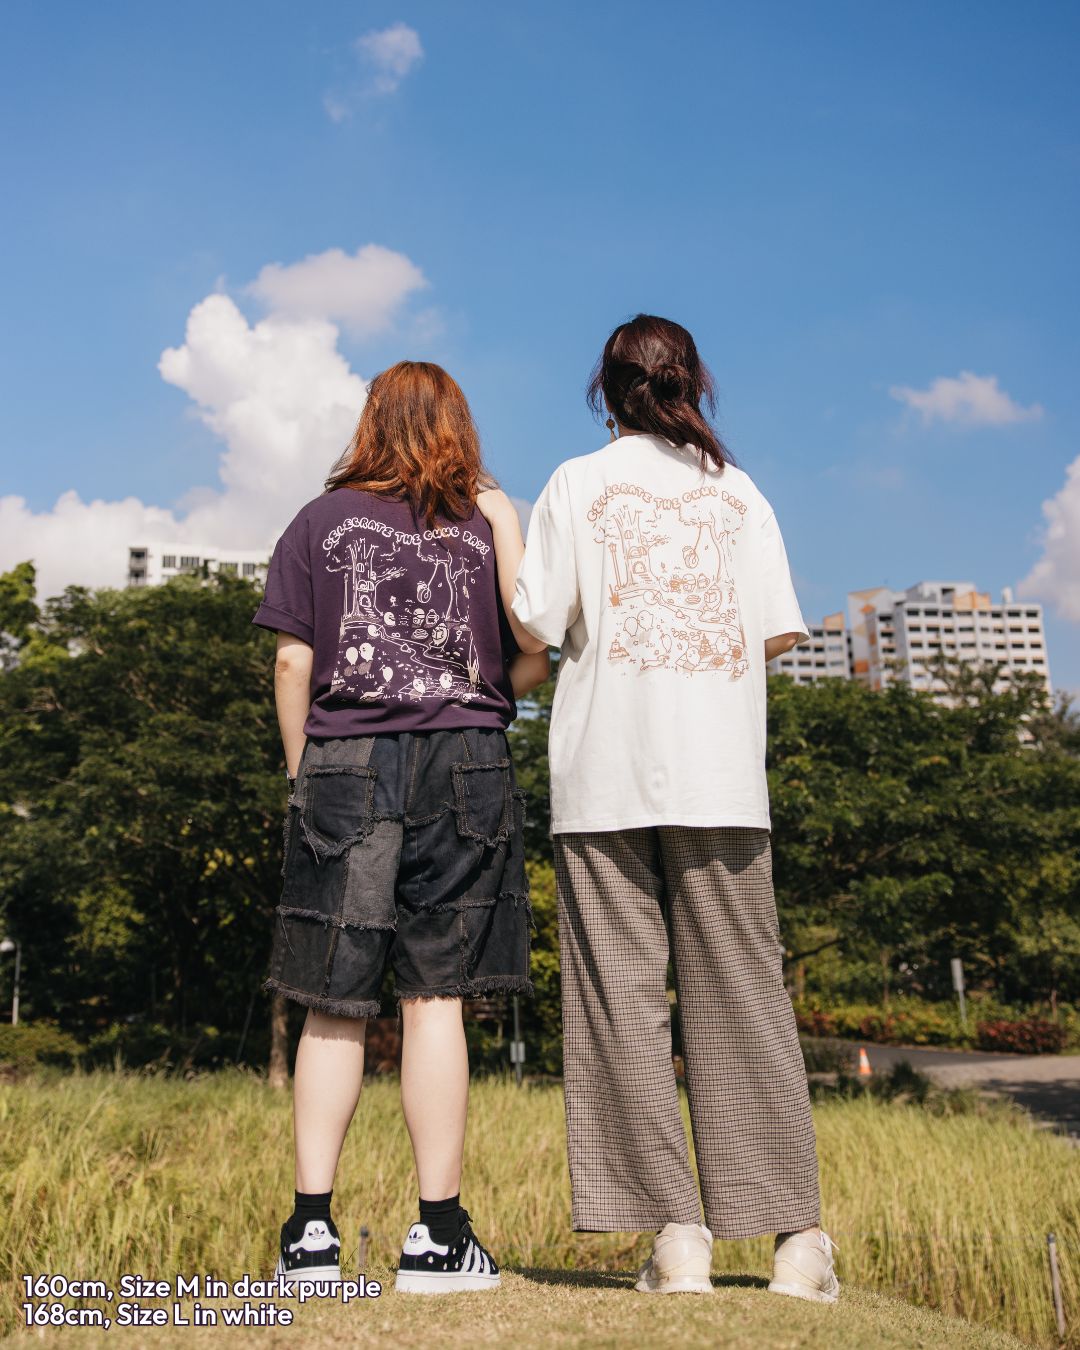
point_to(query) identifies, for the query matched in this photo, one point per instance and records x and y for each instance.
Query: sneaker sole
(800, 1291)
(675, 1287)
(442, 1282)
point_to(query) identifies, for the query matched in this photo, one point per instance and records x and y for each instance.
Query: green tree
(909, 830)
(142, 804)
(529, 745)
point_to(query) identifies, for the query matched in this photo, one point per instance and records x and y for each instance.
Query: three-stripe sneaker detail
(314, 1256)
(430, 1267)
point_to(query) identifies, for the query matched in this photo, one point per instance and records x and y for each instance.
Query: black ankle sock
(443, 1218)
(308, 1207)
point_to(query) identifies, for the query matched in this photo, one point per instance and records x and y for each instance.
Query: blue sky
(839, 200)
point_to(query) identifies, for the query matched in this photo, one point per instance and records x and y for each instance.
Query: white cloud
(280, 396)
(974, 400)
(363, 290)
(385, 56)
(337, 108)
(278, 393)
(1056, 576)
(390, 53)
(77, 542)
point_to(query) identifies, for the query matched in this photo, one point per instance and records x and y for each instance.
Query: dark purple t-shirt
(406, 622)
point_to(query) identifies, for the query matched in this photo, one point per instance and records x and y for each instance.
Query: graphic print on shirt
(671, 584)
(404, 630)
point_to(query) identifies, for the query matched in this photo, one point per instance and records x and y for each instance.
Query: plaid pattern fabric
(620, 892)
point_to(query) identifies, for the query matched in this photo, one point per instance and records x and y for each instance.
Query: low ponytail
(652, 379)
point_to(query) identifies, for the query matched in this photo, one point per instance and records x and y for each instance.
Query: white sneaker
(803, 1268)
(680, 1263)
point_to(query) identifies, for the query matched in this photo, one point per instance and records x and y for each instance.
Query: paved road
(1048, 1085)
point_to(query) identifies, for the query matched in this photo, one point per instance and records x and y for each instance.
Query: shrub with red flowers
(816, 1022)
(1021, 1036)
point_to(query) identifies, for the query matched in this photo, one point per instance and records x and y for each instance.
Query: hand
(492, 503)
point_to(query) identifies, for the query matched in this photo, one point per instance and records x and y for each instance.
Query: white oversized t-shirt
(660, 581)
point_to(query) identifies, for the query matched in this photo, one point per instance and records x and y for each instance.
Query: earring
(610, 424)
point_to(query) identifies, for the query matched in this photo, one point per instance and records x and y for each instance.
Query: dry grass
(106, 1173)
(547, 1308)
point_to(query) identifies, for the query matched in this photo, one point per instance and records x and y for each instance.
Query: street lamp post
(7, 945)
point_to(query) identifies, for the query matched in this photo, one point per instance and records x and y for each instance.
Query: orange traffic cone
(865, 1071)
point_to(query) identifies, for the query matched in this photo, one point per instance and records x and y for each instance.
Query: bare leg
(435, 1091)
(326, 1087)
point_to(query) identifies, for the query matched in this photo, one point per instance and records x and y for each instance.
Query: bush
(907, 1021)
(154, 1046)
(33, 1043)
(1021, 1036)
(824, 1056)
(912, 1021)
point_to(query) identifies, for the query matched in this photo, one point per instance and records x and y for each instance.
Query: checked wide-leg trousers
(620, 893)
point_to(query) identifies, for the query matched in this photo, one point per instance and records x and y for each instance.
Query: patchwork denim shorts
(407, 850)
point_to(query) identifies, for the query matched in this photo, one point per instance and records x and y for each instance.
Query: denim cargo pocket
(482, 800)
(336, 807)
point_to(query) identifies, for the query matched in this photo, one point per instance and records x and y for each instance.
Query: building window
(227, 567)
(189, 560)
(169, 560)
(249, 569)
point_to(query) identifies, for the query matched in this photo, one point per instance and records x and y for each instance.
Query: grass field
(105, 1174)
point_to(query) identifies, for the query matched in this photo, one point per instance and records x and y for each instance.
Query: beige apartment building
(887, 635)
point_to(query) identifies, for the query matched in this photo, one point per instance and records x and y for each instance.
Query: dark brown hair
(416, 440)
(653, 380)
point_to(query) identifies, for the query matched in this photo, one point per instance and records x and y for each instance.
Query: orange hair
(416, 440)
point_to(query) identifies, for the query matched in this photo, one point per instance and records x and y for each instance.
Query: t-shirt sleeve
(780, 607)
(287, 605)
(547, 599)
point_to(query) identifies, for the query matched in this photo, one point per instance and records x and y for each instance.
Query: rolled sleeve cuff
(278, 621)
(796, 625)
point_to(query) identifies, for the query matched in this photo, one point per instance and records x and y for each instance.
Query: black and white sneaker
(314, 1256)
(429, 1267)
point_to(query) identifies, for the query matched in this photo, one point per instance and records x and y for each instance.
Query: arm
(292, 694)
(529, 670)
(498, 510)
(547, 598)
(775, 646)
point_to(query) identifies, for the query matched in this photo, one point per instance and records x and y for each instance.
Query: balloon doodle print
(671, 589)
(404, 630)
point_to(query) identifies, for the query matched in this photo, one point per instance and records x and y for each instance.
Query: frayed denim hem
(334, 1007)
(488, 984)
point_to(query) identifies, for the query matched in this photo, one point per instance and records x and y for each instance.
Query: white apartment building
(826, 656)
(889, 635)
(151, 565)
